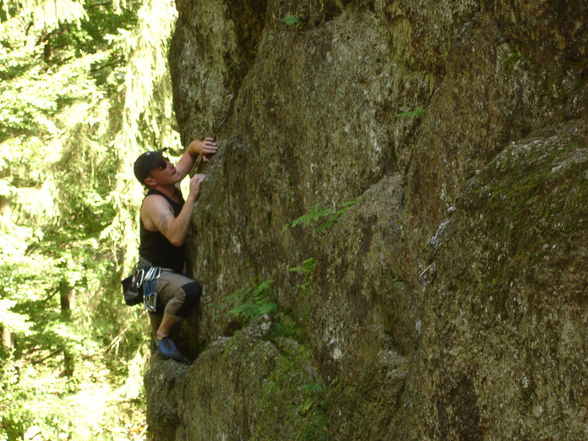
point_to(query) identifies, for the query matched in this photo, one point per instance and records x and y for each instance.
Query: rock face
(412, 176)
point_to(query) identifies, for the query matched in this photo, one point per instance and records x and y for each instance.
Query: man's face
(164, 173)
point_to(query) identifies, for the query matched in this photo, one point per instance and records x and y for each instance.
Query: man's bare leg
(166, 345)
(166, 326)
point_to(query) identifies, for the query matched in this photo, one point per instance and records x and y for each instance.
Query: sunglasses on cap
(163, 164)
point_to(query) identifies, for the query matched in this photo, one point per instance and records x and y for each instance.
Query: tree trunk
(7, 339)
(67, 299)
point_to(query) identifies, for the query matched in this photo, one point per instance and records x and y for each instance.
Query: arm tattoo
(163, 221)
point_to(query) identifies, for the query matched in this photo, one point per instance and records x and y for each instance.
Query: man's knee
(192, 291)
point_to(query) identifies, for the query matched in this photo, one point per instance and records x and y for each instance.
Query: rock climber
(165, 222)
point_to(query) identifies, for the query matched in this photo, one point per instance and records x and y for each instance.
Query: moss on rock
(449, 302)
(506, 309)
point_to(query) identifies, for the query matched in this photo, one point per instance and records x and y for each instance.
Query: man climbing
(165, 222)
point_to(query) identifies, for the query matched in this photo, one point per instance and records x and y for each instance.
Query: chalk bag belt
(149, 288)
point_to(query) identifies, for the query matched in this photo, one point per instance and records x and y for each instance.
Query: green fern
(306, 266)
(253, 301)
(325, 217)
(291, 20)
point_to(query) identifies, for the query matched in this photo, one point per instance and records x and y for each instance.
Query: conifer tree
(75, 110)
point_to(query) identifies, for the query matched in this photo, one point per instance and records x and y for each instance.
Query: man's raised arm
(156, 212)
(205, 149)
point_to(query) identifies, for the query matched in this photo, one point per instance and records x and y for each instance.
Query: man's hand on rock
(195, 182)
(205, 148)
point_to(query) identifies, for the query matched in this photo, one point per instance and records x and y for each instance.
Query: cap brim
(147, 162)
(153, 160)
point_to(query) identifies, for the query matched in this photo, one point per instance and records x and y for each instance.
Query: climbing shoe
(168, 349)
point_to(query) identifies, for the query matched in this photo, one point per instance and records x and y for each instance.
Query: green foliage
(83, 90)
(253, 301)
(395, 278)
(325, 217)
(413, 113)
(292, 20)
(294, 403)
(307, 268)
(315, 213)
(284, 326)
(512, 58)
(515, 58)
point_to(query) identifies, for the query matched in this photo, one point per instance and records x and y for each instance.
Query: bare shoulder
(153, 209)
(155, 202)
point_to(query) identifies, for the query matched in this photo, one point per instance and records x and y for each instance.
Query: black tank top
(156, 248)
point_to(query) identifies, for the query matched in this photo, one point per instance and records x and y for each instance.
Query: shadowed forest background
(84, 87)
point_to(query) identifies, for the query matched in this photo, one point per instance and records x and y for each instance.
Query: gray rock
(434, 285)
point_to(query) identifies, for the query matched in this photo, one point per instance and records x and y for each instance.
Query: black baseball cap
(147, 162)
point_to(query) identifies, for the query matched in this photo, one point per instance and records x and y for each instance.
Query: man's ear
(149, 182)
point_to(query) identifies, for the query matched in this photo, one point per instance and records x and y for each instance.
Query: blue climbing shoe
(168, 349)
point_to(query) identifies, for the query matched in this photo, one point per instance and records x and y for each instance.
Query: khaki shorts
(170, 295)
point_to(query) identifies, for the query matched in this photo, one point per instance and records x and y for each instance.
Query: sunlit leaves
(77, 103)
(18, 322)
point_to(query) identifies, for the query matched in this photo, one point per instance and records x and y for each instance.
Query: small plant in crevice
(253, 301)
(293, 20)
(294, 402)
(322, 216)
(313, 407)
(215, 308)
(512, 58)
(395, 278)
(285, 326)
(393, 155)
(307, 268)
(315, 396)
